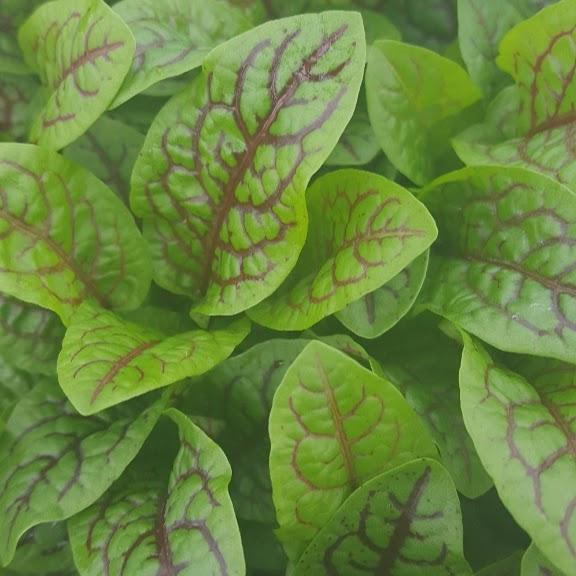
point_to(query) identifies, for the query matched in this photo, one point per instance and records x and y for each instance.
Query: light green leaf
(534, 563)
(106, 360)
(173, 37)
(220, 182)
(182, 525)
(82, 51)
(415, 100)
(54, 463)
(65, 236)
(523, 429)
(364, 229)
(423, 364)
(405, 522)
(502, 268)
(30, 337)
(378, 311)
(16, 103)
(328, 414)
(109, 150)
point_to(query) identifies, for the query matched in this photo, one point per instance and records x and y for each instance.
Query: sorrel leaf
(415, 97)
(13, 385)
(220, 182)
(534, 563)
(327, 415)
(380, 310)
(65, 236)
(404, 522)
(82, 51)
(364, 229)
(173, 37)
(109, 150)
(30, 337)
(54, 463)
(503, 266)
(183, 524)
(106, 360)
(16, 96)
(523, 429)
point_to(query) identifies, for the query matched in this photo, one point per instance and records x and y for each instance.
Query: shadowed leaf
(534, 563)
(16, 104)
(13, 385)
(509, 566)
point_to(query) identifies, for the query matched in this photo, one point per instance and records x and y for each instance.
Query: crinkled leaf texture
(534, 563)
(106, 360)
(333, 426)
(364, 229)
(220, 182)
(503, 267)
(65, 235)
(524, 430)
(415, 100)
(82, 50)
(54, 463)
(380, 310)
(405, 522)
(173, 37)
(182, 525)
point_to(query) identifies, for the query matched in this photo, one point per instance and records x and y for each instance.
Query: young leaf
(523, 429)
(503, 267)
(534, 563)
(404, 522)
(423, 364)
(65, 236)
(415, 98)
(173, 37)
(182, 525)
(30, 337)
(378, 311)
(16, 94)
(106, 360)
(109, 150)
(328, 414)
(54, 463)
(364, 229)
(82, 51)
(220, 182)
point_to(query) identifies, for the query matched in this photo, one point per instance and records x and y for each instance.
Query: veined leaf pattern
(173, 37)
(16, 96)
(364, 229)
(524, 431)
(380, 310)
(534, 563)
(82, 50)
(106, 360)
(30, 337)
(333, 426)
(220, 183)
(404, 522)
(54, 463)
(65, 236)
(503, 266)
(185, 525)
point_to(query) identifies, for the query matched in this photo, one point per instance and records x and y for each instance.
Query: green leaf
(106, 360)
(82, 51)
(173, 37)
(534, 563)
(333, 426)
(404, 522)
(54, 463)
(264, 554)
(509, 566)
(65, 236)
(13, 385)
(364, 229)
(415, 99)
(220, 182)
(423, 364)
(30, 337)
(378, 311)
(109, 150)
(182, 525)
(523, 429)
(502, 269)
(16, 104)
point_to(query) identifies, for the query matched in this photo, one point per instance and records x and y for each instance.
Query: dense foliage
(288, 287)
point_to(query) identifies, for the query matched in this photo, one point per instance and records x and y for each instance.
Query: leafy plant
(288, 287)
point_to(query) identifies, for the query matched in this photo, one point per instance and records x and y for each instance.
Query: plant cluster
(288, 287)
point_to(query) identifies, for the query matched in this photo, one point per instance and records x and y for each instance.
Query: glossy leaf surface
(220, 182)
